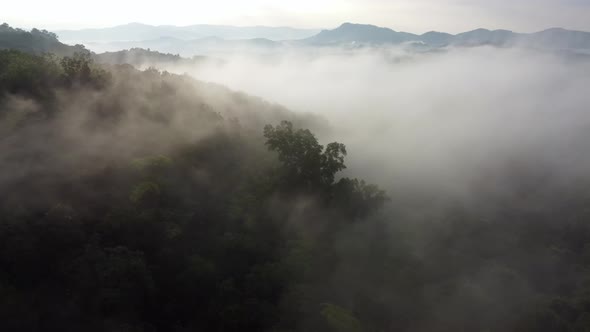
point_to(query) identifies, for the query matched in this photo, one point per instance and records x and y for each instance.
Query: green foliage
(39, 76)
(80, 70)
(307, 166)
(153, 171)
(34, 42)
(357, 197)
(305, 162)
(27, 74)
(210, 233)
(142, 58)
(340, 319)
(151, 166)
(143, 190)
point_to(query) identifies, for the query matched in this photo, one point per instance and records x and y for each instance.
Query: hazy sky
(407, 15)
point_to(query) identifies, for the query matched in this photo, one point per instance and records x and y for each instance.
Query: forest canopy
(142, 207)
(147, 201)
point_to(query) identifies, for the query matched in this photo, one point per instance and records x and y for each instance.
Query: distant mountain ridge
(363, 34)
(360, 33)
(348, 35)
(139, 31)
(216, 39)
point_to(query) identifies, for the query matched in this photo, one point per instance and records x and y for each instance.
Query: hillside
(34, 41)
(147, 201)
(159, 203)
(43, 42)
(142, 58)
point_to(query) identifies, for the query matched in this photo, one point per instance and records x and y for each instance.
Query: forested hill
(146, 201)
(44, 42)
(34, 41)
(142, 58)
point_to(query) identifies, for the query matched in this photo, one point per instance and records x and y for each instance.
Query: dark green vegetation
(130, 203)
(44, 42)
(34, 41)
(145, 201)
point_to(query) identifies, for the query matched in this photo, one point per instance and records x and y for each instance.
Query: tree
(77, 68)
(306, 164)
(357, 197)
(80, 70)
(26, 74)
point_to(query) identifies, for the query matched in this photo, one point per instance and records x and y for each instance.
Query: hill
(35, 41)
(159, 201)
(44, 42)
(143, 58)
(147, 201)
(359, 33)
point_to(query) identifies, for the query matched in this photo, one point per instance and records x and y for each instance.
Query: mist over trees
(161, 214)
(147, 201)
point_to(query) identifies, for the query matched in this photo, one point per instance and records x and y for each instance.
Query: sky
(415, 16)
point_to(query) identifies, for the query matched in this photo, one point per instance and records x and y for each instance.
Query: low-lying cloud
(443, 119)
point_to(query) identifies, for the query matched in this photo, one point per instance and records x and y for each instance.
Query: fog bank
(441, 120)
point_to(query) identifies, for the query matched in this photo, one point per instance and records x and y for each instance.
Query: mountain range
(217, 40)
(363, 34)
(139, 31)
(347, 35)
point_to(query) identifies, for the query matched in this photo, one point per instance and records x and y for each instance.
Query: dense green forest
(145, 201)
(34, 41)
